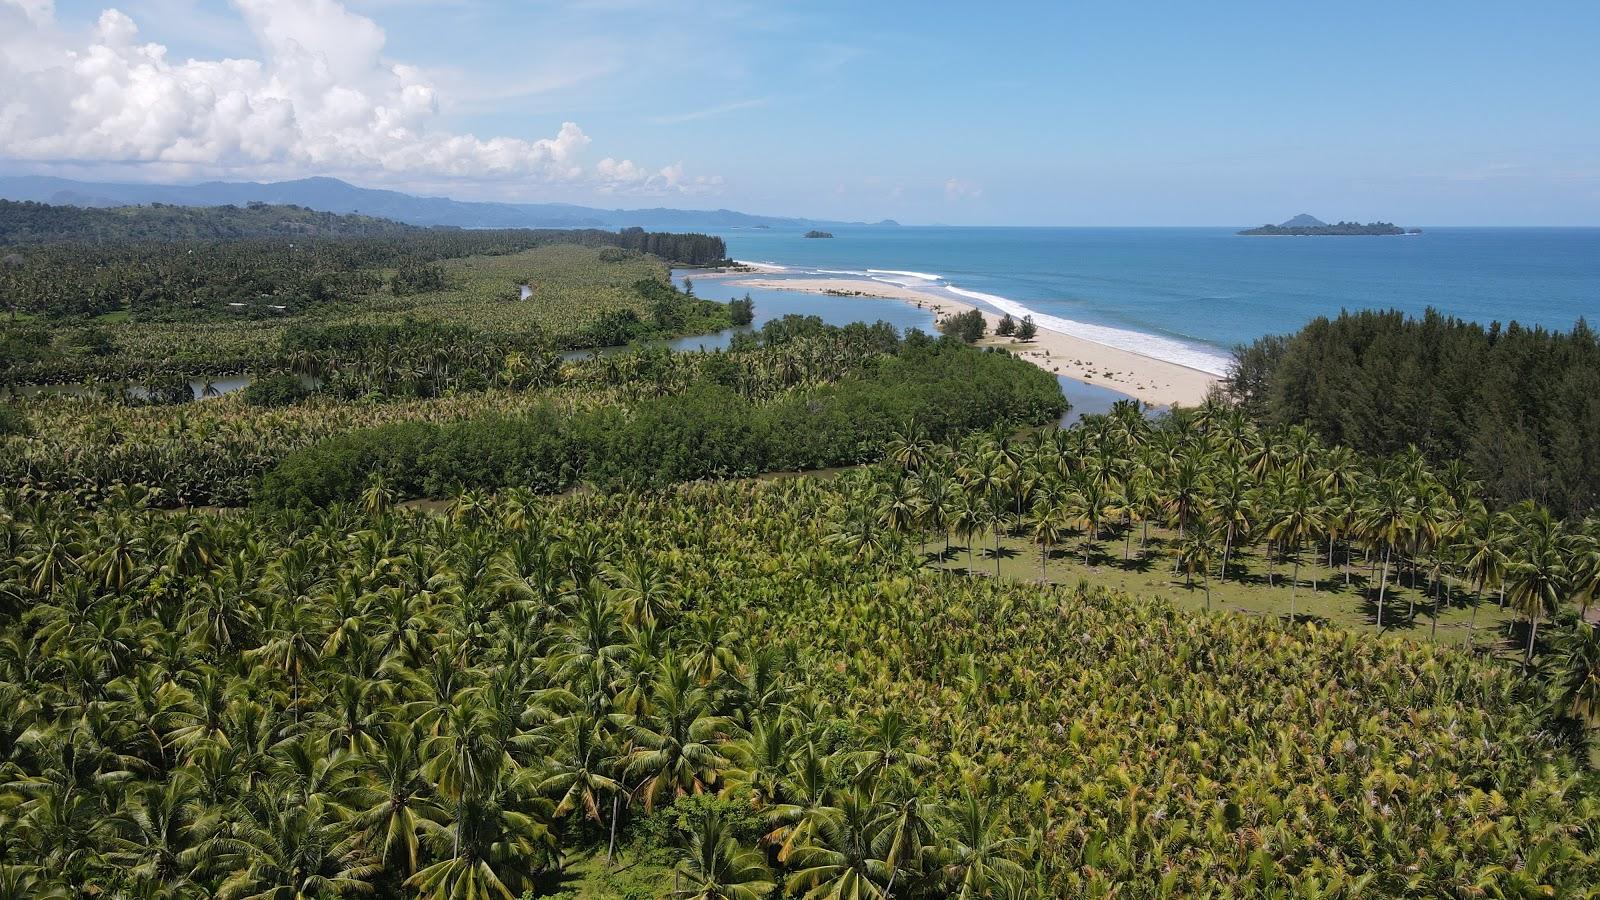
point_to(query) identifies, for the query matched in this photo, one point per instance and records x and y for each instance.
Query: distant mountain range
(333, 195)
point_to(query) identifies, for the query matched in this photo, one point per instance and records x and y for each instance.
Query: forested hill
(28, 223)
(1340, 229)
(1520, 404)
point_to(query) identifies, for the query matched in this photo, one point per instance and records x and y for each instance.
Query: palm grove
(664, 684)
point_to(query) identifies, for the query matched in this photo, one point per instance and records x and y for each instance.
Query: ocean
(1190, 295)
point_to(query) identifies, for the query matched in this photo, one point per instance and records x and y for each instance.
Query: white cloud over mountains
(322, 98)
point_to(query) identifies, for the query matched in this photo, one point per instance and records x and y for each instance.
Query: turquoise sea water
(1190, 294)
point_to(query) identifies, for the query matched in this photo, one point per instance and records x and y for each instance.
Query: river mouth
(1086, 399)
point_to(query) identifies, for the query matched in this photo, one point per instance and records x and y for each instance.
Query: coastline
(1153, 381)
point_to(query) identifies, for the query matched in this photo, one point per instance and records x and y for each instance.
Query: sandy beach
(1154, 381)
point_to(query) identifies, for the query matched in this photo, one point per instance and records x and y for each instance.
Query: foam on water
(1151, 345)
(920, 276)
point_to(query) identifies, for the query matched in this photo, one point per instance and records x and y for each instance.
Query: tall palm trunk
(1383, 583)
(1294, 583)
(1227, 550)
(1533, 634)
(1472, 623)
(616, 799)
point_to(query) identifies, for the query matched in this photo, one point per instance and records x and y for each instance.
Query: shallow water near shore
(1086, 399)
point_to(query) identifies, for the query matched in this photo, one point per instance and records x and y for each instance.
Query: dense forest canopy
(27, 223)
(145, 262)
(1520, 405)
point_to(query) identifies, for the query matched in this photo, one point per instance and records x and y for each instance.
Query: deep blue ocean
(1191, 294)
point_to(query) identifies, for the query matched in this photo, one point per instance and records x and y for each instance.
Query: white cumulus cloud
(322, 98)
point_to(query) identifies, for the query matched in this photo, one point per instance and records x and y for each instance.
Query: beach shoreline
(1153, 381)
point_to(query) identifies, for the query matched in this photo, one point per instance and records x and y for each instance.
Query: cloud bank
(321, 99)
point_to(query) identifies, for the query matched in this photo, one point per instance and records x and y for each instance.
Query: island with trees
(1309, 226)
(819, 234)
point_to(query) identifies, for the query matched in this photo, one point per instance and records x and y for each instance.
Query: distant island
(1305, 225)
(819, 234)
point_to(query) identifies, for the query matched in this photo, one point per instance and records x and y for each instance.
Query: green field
(1323, 594)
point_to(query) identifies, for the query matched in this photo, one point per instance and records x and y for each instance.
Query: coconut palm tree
(1045, 527)
(1196, 553)
(1580, 673)
(1296, 517)
(679, 742)
(841, 862)
(493, 849)
(716, 867)
(978, 856)
(1386, 519)
(1481, 550)
(1538, 579)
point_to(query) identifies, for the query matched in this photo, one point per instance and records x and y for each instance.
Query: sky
(1066, 113)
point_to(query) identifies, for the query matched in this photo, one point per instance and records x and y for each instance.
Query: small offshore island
(1306, 225)
(819, 234)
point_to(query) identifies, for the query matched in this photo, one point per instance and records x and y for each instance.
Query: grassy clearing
(585, 876)
(1322, 594)
(573, 286)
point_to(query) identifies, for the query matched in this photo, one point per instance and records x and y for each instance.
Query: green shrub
(275, 390)
(12, 421)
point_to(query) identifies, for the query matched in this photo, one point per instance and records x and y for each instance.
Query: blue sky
(1009, 113)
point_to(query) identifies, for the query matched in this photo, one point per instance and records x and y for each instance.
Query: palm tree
(1196, 552)
(1580, 673)
(679, 742)
(1087, 507)
(1044, 526)
(1386, 521)
(1295, 517)
(288, 849)
(715, 867)
(980, 857)
(840, 863)
(575, 774)
(967, 520)
(394, 801)
(994, 515)
(494, 850)
(1232, 507)
(1538, 578)
(1481, 552)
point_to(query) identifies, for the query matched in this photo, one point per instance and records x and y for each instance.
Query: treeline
(709, 430)
(28, 223)
(1339, 229)
(1518, 404)
(266, 277)
(687, 249)
(215, 453)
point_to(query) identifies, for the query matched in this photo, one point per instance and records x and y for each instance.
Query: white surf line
(1152, 345)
